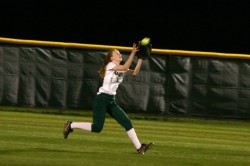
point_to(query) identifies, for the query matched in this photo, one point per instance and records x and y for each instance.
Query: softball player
(112, 73)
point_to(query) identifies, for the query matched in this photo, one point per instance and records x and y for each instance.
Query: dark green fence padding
(171, 82)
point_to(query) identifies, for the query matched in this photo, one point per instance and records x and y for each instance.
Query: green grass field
(31, 138)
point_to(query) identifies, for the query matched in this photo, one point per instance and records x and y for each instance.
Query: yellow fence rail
(121, 48)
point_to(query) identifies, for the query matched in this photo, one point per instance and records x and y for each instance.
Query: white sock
(81, 125)
(132, 135)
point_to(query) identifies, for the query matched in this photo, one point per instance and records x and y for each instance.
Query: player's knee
(127, 125)
(96, 129)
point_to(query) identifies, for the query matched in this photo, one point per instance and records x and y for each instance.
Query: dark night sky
(199, 25)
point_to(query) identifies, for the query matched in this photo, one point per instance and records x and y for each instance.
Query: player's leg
(99, 113)
(121, 117)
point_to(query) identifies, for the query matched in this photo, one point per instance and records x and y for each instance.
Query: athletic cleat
(67, 129)
(144, 148)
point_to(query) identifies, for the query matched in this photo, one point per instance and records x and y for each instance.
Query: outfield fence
(171, 82)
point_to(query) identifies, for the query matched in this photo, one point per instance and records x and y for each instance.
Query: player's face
(117, 56)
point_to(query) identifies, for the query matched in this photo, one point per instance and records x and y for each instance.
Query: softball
(145, 41)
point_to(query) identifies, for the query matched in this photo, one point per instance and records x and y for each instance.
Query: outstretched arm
(127, 64)
(137, 68)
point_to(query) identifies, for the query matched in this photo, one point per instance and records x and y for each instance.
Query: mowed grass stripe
(36, 139)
